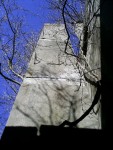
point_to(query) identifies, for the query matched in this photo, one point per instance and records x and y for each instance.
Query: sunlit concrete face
(52, 90)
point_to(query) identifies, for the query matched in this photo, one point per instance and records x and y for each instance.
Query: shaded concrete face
(51, 91)
(94, 50)
(93, 55)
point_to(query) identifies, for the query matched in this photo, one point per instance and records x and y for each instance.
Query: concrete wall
(93, 50)
(51, 91)
(93, 55)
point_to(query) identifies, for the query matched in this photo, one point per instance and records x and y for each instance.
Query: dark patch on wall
(85, 40)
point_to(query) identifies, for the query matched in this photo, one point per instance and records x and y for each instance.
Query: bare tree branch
(11, 80)
(95, 101)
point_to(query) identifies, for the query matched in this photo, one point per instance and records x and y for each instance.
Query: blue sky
(42, 15)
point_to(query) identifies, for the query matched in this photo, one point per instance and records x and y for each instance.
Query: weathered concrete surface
(93, 55)
(94, 50)
(50, 91)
